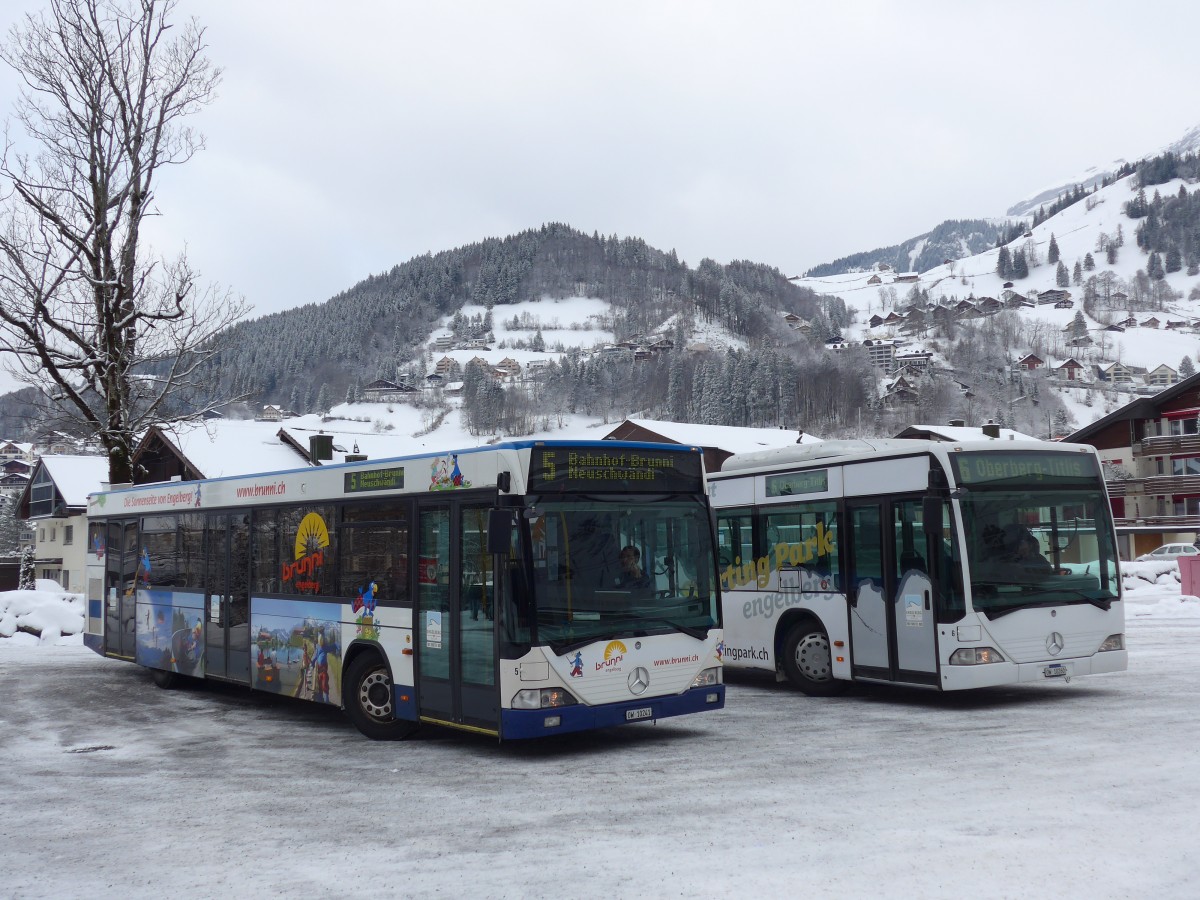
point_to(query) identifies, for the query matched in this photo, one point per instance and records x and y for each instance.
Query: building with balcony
(1151, 453)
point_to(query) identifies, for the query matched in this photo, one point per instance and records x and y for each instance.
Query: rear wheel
(808, 661)
(164, 677)
(369, 699)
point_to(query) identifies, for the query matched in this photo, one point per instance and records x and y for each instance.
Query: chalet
(874, 279)
(1162, 376)
(270, 413)
(661, 345)
(1071, 370)
(883, 267)
(478, 361)
(1008, 284)
(900, 395)
(1176, 325)
(1018, 301)
(382, 390)
(792, 319)
(453, 388)
(1052, 296)
(1151, 322)
(717, 442)
(1128, 322)
(916, 360)
(55, 499)
(443, 342)
(989, 305)
(17, 450)
(1118, 298)
(445, 365)
(537, 365)
(478, 344)
(893, 318)
(1082, 340)
(509, 366)
(1117, 327)
(1149, 450)
(1066, 303)
(1030, 363)
(907, 277)
(876, 321)
(1118, 373)
(435, 379)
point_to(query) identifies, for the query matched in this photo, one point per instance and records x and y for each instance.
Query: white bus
(930, 564)
(481, 589)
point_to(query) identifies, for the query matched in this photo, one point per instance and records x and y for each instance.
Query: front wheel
(808, 661)
(369, 700)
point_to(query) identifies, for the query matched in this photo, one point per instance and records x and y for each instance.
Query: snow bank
(48, 615)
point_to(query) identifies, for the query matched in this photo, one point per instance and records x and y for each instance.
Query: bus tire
(808, 661)
(369, 700)
(165, 678)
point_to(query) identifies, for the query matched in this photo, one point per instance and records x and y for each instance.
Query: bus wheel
(367, 696)
(164, 677)
(808, 661)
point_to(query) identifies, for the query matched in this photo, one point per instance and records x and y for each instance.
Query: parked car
(1169, 551)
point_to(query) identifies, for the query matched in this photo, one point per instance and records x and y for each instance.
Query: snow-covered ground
(113, 788)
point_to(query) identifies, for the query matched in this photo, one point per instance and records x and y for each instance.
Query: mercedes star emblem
(1054, 643)
(639, 680)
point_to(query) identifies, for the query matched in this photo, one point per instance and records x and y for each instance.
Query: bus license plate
(632, 715)
(1055, 671)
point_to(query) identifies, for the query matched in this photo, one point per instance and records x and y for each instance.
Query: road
(112, 787)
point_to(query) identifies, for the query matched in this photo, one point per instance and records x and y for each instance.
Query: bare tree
(107, 329)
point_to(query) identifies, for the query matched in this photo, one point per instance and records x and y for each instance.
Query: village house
(1071, 370)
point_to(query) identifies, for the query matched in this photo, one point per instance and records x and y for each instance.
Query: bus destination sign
(1016, 467)
(560, 469)
(375, 480)
(814, 482)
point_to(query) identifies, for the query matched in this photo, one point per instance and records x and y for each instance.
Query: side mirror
(499, 530)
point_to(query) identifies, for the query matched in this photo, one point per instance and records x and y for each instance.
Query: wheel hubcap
(813, 658)
(375, 695)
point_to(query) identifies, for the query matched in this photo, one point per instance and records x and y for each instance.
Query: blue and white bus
(481, 589)
(945, 565)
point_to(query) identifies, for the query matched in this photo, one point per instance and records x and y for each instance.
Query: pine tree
(1154, 267)
(1110, 254)
(1173, 261)
(1020, 269)
(28, 577)
(1052, 252)
(1004, 264)
(1077, 273)
(1061, 276)
(1089, 264)
(1186, 367)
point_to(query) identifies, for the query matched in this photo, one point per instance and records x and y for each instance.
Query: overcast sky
(347, 138)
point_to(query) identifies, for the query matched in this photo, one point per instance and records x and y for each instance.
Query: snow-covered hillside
(1079, 230)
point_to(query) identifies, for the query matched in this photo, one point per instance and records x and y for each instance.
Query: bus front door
(892, 620)
(227, 589)
(456, 627)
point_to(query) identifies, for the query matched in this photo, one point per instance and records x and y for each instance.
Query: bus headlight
(542, 698)
(1114, 642)
(975, 656)
(707, 678)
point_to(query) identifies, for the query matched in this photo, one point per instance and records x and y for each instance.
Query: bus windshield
(619, 565)
(1038, 546)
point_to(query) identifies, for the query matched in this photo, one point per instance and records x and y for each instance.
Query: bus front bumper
(517, 724)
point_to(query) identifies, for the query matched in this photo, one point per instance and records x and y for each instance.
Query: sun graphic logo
(614, 648)
(312, 537)
(613, 654)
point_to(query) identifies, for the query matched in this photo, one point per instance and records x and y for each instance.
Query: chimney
(320, 446)
(958, 423)
(991, 429)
